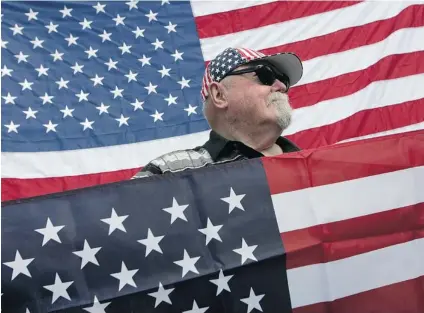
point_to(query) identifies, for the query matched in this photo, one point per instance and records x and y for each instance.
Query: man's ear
(218, 95)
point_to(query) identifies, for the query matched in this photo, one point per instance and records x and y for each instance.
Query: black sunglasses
(266, 74)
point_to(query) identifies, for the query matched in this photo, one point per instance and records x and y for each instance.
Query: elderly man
(245, 102)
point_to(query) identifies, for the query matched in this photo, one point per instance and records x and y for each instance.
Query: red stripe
(403, 297)
(351, 160)
(12, 188)
(390, 67)
(343, 239)
(353, 37)
(261, 15)
(362, 123)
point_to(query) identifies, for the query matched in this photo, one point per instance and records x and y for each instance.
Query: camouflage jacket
(217, 150)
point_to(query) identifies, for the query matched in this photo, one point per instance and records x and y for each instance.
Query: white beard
(284, 110)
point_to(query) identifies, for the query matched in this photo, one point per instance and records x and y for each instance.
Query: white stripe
(327, 66)
(305, 28)
(335, 280)
(204, 7)
(348, 199)
(97, 160)
(376, 95)
(409, 128)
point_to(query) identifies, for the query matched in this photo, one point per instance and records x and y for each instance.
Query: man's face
(254, 104)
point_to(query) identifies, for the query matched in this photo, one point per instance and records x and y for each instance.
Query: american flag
(332, 230)
(93, 91)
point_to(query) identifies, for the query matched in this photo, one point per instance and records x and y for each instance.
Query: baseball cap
(285, 62)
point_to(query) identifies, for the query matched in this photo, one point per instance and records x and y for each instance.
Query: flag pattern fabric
(331, 230)
(92, 91)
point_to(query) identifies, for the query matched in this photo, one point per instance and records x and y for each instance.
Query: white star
(132, 4)
(151, 88)
(125, 49)
(66, 12)
(97, 306)
(164, 1)
(52, 27)
(125, 276)
(37, 43)
(91, 52)
(196, 309)
(137, 104)
(103, 108)
(32, 15)
(105, 36)
(9, 98)
(221, 282)
(164, 71)
(157, 116)
(46, 98)
(253, 301)
(131, 76)
(151, 16)
(30, 113)
(17, 29)
(115, 222)
(82, 96)
(19, 265)
(176, 211)
(4, 43)
(171, 27)
(21, 57)
(117, 92)
(26, 85)
(234, 201)
(50, 127)
(184, 82)
(188, 264)
(86, 24)
(151, 242)
(67, 112)
(62, 83)
(6, 71)
(211, 232)
(177, 55)
(57, 56)
(77, 68)
(190, 110)
(99, 7)
(97, 80)
(144, 60)
(158, 44)
(111, 64)
(12, 127)
(42, 70)
(171, 100)
(50, 231)
(87, 124)
(119, 20)
(87, 254)
(139, 32)
(246, 251)
(72, 40)
(59, 288)
(162, 295)
(122, 120)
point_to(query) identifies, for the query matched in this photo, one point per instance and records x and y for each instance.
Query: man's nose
(279, 86)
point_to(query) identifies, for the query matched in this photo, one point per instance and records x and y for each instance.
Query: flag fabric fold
(334, 229)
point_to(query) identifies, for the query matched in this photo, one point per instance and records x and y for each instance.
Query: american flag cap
(231, 58)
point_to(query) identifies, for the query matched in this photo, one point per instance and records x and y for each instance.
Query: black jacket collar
(219, 147)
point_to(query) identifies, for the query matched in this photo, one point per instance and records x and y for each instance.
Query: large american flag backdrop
(92, 91)
(333, 230)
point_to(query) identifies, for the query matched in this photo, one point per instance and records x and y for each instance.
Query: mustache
(277, 97)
